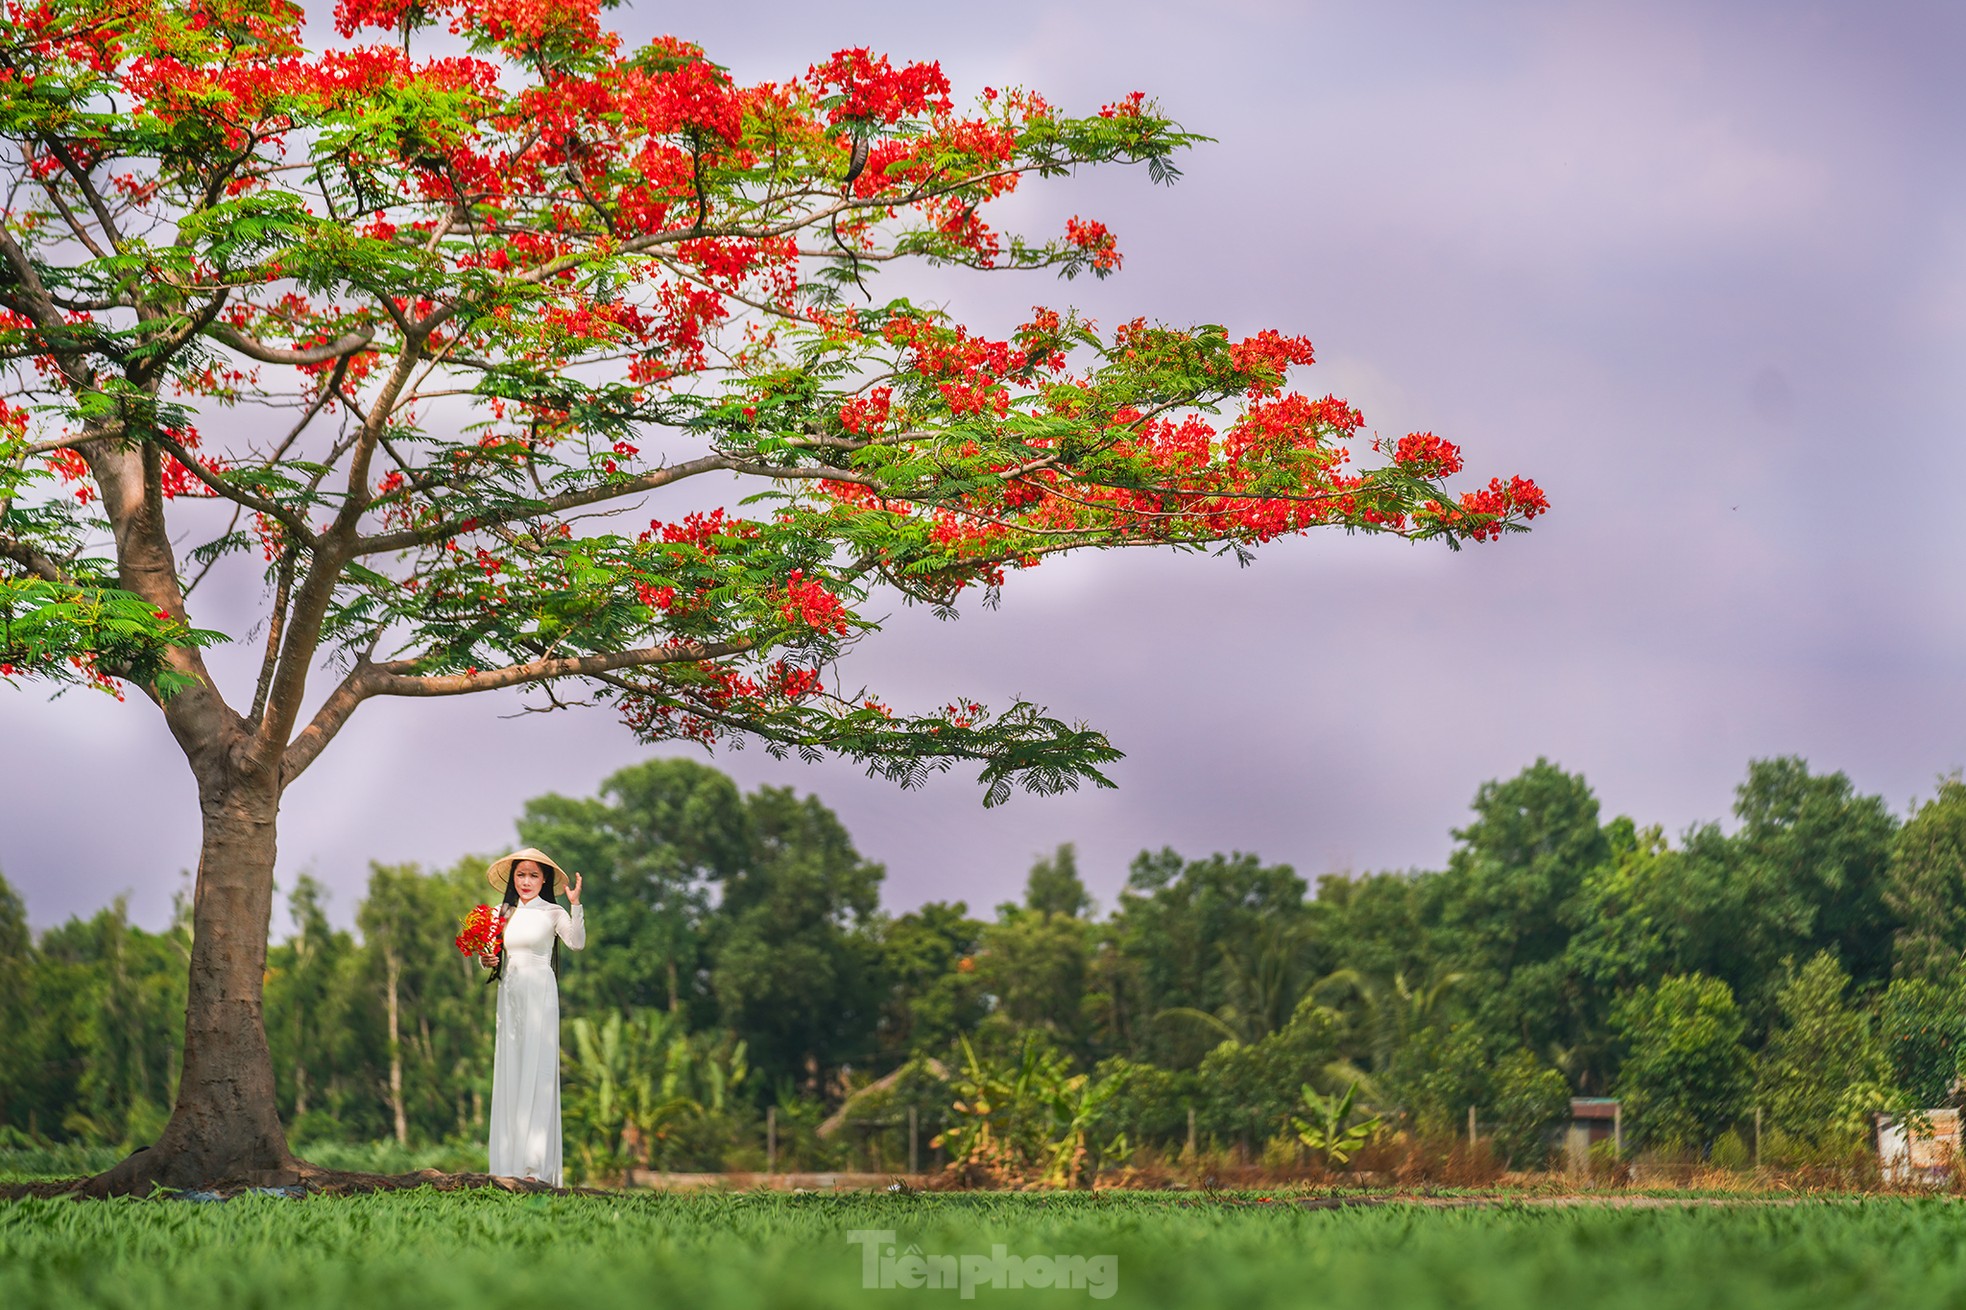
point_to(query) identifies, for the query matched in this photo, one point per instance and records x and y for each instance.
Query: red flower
(481, 932)
(1091, 236)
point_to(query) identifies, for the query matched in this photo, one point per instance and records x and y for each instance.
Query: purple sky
(1698, 269)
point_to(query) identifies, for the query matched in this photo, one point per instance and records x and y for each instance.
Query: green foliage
(1442, 1071)
(1249, 1089)
(1327, 1126)
(1029, 1119)
(1814, 854)
(1506, 902)
(1214, 935)
(1803, 875)
(454, 1155)
(1687, 1074)
(25, 1160)
(66, 631)
(1527, 1101)
(729, 922)
(1926, 886)
(795, 968)
(99, 1029)
(443, 1046)
(314, 1017)
(1822, 1074)
(1035, 964)
(1055, 887)
(889, 1123)
(17, 1037)
(928, 961)
(1388, 1014)
(1149, 1104)
(640, 1089)
(1922, 1026)
(655, 844)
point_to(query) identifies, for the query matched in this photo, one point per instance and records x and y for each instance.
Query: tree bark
(395, 970)
(225, 1126)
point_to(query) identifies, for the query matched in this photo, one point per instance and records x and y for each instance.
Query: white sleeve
(572, 927)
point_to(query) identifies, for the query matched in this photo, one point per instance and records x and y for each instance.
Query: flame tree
(399, 340)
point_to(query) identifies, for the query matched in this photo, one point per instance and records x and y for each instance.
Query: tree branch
(40, 565)
(293, 522)
(393, 678)
(275, 629)
(405, 539)
(96, 206)
(353, 343)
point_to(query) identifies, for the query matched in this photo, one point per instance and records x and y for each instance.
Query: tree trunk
(225, 1126)
(395, 970)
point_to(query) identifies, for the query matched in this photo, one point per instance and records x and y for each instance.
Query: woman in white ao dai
(525, 1105)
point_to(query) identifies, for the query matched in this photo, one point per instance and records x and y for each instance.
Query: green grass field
(713, 1250)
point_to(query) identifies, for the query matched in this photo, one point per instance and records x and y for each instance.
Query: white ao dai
(525, 1106)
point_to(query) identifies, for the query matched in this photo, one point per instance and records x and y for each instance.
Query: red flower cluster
(71, 467)
(530, 24)
(810, 605)
(1519, 496)
(1134, 106)
(982, 145)
(968, 369)
(481, 932)
(1091, 236)
(1427, 454)
(697, 529)
(864, 416)
(1488, 507)
(874, 91)
(1270, 353)
(177, 480)
(701, 712)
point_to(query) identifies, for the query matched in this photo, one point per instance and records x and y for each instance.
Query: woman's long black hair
(511, 901)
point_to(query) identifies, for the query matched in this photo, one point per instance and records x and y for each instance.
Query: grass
(27, 1164)
(715, 1249)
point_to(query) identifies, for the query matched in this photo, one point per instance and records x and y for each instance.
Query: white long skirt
(525, 1106)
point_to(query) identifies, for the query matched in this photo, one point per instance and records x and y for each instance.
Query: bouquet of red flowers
(480, 932)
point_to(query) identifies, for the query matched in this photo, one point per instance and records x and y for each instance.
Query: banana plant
(1326, 1130)
(1031, 1121)
(632, 1076)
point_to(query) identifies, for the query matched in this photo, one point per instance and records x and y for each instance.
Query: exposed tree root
(303, 1179)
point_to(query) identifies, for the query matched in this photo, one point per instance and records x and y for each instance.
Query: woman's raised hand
(573, 889)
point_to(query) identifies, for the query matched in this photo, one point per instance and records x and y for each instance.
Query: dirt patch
(1539, 1201)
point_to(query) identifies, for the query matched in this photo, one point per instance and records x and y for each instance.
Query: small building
(1909, 1152)
(1593, 1119)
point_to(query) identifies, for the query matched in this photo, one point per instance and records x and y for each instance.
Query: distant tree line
(1806, 964)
